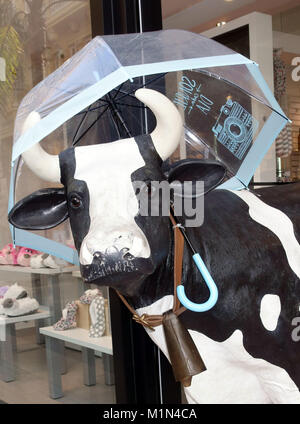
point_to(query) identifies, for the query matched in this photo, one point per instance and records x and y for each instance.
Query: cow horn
(43, 164)
(166, 136)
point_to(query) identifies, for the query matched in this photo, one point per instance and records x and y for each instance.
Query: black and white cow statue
(249, 242)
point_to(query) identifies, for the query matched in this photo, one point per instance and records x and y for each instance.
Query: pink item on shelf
(9, 254)
(24, 256)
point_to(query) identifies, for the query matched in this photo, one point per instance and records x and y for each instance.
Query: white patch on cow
(107, 169)
(270, 308)
(277, 222)
(232, 375)
(159, 307)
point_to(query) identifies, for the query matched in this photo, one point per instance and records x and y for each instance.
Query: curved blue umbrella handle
(213, 290)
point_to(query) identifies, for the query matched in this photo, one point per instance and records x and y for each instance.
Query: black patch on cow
(67, 163)
(79, 216)
(158, 229)
(148, 151)
(155, 228)
(247, 261)
(117, 271)
(212, 173)
(286, 198)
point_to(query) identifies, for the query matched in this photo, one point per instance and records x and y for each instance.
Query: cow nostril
(125, 254)
(128, 256)
(98, 255)
(124, 251)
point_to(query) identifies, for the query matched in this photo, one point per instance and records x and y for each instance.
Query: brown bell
(184, 356)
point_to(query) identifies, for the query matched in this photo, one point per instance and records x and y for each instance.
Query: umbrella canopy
(228, 110)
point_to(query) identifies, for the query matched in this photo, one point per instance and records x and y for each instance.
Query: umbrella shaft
(118, 115)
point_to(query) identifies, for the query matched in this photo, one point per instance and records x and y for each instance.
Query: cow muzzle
(115, 267)
(116, 245)
(108, 263)
(126, 257)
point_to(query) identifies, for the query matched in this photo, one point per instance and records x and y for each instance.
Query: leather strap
(151, 321)
(178, 259)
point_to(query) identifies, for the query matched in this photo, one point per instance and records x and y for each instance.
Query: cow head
(117, 245)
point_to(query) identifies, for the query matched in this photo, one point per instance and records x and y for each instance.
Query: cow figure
(249, 242)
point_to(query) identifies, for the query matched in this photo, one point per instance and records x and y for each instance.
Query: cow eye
(75, 202)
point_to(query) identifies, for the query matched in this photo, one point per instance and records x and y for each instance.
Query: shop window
(286, 41)
(38, 36)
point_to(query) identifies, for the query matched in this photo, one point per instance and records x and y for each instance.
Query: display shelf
(42, 313)
(8, 340)
(44, 271)
(80, 337)
(76, 273)
(51, 275)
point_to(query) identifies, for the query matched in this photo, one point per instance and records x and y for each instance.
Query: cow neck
(151, 321)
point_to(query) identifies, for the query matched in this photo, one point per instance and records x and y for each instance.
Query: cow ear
(212, 173)
(41, 210)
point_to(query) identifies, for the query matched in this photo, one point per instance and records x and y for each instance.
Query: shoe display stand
(49, 314)
(79, 337)
(8, 346)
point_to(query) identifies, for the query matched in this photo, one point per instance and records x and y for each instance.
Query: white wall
(202, 12)
(288, 42)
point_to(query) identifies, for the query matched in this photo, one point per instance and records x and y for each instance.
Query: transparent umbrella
(229, 112)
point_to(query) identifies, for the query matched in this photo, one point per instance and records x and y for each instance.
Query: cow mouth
(95, 270)
(114, 269)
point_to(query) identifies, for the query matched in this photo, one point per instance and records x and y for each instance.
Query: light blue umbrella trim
(34, 241)
(88, 96)
(11, 189)
(269, 132)
(66, 111)
(231, 184)
(179, 65)
(99, 89)
(261, 145)
(11, 197)
(258, 77)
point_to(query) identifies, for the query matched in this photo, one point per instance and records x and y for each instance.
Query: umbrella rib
(117, 114)
(115, 123)
(80, 124)
(118, 90)
(136, 106)
(83, 134)
(92, 109)
(149, 82)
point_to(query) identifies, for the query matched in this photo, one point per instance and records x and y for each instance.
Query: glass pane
(286, 59)
(36, 37)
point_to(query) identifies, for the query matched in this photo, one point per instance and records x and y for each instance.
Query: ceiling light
(221, 23)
